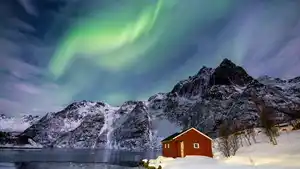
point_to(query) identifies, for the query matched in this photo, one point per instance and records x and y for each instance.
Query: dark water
(72, 159)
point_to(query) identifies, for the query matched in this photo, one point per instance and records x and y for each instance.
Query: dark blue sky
(170, 40)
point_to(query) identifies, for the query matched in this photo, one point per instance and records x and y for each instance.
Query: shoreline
(18, 148)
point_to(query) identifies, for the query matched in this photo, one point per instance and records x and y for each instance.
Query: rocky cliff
(202, 101)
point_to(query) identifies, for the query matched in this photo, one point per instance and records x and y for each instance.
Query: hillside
(203, 101)
(261, 155)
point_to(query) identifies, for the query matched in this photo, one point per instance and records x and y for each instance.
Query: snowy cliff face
(202, 101)
(134, 130)
(16, 124)
(93, 131)
(125, 127)
(55, 125)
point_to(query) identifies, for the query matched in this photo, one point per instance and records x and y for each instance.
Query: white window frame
(167, 145)
(196, 145)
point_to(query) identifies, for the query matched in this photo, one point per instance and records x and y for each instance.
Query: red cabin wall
(189, 138)
(170, 152)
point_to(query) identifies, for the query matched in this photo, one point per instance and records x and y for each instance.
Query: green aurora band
(134, 36)
(107, 40)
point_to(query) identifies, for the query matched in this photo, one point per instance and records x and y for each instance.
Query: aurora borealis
(117, 38)
(106, 38)
(58, 51)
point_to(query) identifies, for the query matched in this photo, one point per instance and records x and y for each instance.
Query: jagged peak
(228, 73)
(227, 63)
(265, 79)
(294, 80)
(129, 102)
(204, 70)
(157, 96)
(84, 103)
(141, 105)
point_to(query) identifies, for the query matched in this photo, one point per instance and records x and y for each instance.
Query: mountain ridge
(201, 101)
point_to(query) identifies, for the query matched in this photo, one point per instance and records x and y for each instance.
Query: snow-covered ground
(285, 154)
(262, 155)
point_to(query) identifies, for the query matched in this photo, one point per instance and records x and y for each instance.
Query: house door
(181, 149)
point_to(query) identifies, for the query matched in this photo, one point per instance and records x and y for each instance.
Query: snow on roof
(173, 136)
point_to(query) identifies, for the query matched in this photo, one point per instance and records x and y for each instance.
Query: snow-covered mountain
(16, 124)
(202, 101)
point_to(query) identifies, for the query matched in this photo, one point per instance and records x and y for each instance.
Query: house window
(167, 145)
(196, 145)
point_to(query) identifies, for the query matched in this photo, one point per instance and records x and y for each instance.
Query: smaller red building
(187, 142)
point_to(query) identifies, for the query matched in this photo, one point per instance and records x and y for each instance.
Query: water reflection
(71, 159)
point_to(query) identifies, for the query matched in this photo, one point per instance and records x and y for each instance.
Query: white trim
(196, 147)
(196, 131)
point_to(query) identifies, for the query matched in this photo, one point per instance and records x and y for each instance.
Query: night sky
(53, 52)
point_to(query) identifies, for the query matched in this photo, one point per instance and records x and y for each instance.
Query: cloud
(22, 90)
(28, 6)
(263, 37)
(6, 104)
(27, 88)
(18, 68)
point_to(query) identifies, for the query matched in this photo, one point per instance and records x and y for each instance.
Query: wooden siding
(189, 138)
(172, 151)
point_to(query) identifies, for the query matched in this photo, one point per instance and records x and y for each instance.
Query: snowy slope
(285, 154)
(93, 131)
(16, 124)
(56, 125)
(196, 162)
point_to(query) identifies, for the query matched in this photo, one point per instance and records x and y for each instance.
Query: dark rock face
(203, 101)
(228, 73)
(195, 85)
(4, 137)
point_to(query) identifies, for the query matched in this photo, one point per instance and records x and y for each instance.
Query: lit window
(196, 145)
(165, 145)
(168, 145)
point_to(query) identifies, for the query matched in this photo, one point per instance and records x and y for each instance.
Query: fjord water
(71, 159)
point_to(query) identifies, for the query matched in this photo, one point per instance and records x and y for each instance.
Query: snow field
(259, 155)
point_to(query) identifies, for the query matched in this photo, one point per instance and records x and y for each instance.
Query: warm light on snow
(262, 155)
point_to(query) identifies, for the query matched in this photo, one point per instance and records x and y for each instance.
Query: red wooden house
(187, 142)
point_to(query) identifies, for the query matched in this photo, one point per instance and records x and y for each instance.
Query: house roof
(169, 138)
(173, 136)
